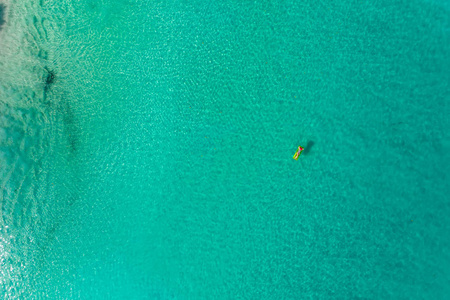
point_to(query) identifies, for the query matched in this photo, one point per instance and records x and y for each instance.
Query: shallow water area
(146, 149)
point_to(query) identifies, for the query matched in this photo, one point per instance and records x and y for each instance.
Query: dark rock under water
(2, 15)
(49, 79)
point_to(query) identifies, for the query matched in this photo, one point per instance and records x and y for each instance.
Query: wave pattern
(34, 137)
(146, 149)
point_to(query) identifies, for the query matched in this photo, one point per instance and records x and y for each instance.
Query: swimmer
(299, 151)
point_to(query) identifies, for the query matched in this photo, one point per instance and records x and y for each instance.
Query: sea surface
(146, 149)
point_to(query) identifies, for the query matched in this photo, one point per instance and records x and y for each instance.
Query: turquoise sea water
(146, 149)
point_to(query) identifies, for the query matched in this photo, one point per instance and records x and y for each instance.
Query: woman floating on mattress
(299, 151)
